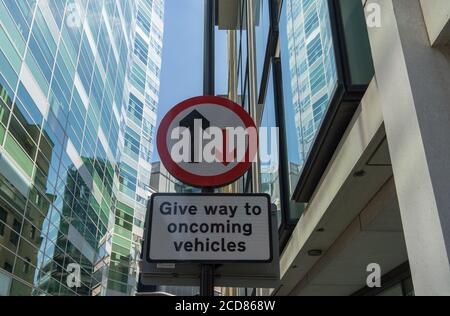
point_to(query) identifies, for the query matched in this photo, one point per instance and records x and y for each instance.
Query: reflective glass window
(309, 75)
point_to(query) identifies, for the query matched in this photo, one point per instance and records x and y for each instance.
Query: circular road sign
(190, 121)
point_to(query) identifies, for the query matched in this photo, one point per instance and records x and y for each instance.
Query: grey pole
(207, 270)
(209, 49)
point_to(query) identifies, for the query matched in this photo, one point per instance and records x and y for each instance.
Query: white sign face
(209, 228)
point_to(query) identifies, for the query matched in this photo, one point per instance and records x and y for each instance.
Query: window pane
(357, 45)
(309, 76)
(262, 26)
(269, 152)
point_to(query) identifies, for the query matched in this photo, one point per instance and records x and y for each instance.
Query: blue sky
(182, 63)
(182, 59)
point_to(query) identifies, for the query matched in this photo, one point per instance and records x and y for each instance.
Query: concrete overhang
(353, 217)
(229, 14)
(437, 19)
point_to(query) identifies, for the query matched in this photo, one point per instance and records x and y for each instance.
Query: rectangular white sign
(209, 228)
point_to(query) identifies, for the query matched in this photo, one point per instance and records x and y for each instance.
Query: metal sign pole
(207, 280)
(207, 270)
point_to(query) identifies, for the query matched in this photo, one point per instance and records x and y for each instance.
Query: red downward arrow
(226, 157)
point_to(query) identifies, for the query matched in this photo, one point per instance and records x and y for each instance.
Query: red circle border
(189, 178)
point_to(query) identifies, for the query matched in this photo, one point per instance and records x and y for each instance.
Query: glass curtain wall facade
(239, 81)
(240, 75)
(65, 89)
(138, 133)
(311, 67)
(308, 71)
(309, 61)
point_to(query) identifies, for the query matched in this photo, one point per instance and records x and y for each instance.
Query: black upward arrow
(189, 123)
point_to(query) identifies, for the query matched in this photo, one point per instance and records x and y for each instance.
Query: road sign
(207, 141)
(261, 275)
(209, 228)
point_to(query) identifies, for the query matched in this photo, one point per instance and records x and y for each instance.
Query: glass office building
(67, 81)
(301, 66)
(138, 130)
(312, 66)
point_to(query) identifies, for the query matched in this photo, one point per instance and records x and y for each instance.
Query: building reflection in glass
(24, 200)
(37, 241)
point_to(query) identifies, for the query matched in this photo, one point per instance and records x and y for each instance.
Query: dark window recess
(32, 232)
(26, 266)
(8, 267)
(14, 236)
(3, 219)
